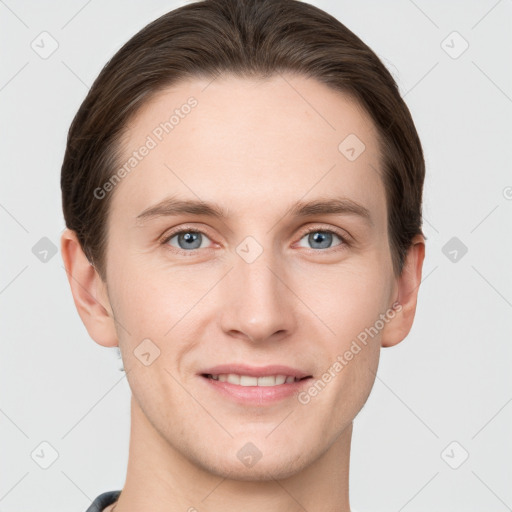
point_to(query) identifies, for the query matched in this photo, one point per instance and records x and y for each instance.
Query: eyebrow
(172, 206)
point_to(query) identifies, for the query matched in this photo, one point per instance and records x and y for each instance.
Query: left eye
(323, 238)
(188, 240)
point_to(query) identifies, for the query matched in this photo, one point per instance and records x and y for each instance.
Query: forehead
(249, 142)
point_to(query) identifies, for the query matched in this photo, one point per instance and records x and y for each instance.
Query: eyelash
(343, 245)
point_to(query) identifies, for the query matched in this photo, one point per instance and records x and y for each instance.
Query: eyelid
(346, 239)
(183, 228)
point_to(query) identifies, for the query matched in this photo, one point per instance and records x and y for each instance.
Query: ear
(407, 287)
(89, 292)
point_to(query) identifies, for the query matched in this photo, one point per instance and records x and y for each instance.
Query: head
(304, 242)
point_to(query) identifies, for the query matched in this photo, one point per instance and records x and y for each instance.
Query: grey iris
(192, 240)
(321, 237)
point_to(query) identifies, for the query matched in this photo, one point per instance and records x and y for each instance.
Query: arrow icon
(44, 250)
(147, 352)
(44, 455)
(454, 249)
(249, 253)
(351, 147)
(451, 45)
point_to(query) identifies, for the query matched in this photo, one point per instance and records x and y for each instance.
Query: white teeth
(233, 379)
(247, 380)
(280, 379)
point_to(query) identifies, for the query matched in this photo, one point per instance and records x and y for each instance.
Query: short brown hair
(246, 38)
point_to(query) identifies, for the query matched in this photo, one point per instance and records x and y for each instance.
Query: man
(242, 190)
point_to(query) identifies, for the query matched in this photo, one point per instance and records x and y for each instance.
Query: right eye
(186, 240)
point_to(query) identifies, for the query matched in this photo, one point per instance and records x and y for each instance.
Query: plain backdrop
(435, 434)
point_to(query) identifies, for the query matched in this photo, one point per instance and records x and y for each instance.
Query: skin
(257, 147)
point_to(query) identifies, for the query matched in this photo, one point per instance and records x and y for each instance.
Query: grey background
(448, 381)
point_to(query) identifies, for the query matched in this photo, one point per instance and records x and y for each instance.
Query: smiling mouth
(247, 380)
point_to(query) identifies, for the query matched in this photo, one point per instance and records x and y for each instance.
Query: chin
(260, 473)
(277, 466)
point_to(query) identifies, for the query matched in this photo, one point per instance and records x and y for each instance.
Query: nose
(256, 302)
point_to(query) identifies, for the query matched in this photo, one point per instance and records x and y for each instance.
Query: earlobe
(408, 284)
(89, 292)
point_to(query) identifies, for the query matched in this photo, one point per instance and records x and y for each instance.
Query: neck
(160, 478)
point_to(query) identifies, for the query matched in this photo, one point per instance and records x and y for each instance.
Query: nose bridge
(258, 303)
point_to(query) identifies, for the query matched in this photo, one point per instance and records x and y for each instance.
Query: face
(294, 270)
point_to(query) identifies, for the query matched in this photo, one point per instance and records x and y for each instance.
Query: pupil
(191, 238)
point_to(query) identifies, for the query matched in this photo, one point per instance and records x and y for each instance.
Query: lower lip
(256, 395)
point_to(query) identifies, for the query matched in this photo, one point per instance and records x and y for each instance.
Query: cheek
(348, 298)
(151, 299)
(350, 303)
(158, 310)
(151, 308)
(361, 297)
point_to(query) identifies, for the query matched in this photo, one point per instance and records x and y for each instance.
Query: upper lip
(255, 371)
